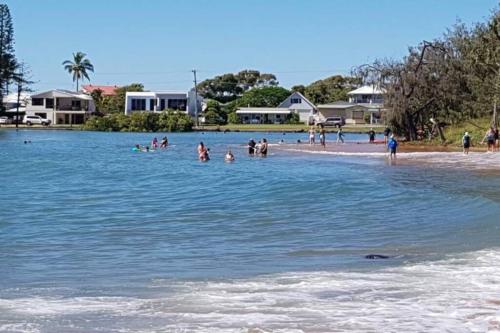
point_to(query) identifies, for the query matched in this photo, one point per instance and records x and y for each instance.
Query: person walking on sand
(312, 135)
(490, 139)
(496, 135)
(340, 135)
(387, 132)
(466, 143)
(371, 135)
(392, 145)
(322, 136)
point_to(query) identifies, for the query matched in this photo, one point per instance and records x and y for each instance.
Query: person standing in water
(392, 145)
(154, 143)
(466, 143)
(340, 135)
(312, 135)
(203, 152)
(229, 156)
(496, 137)
(263, 148)
(164, 142)
(322, 136)
(251, 147)
(371, 135)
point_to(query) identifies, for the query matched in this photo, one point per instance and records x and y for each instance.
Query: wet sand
(407, 154)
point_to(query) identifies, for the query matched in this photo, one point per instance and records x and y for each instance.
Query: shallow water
(97, 238)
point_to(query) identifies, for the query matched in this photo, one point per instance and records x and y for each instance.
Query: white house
(61, 106)
(157, 101)
(263, 115)
(299, 104)
(365, 105)
(295, 103)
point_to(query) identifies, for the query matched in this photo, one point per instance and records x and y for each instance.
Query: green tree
(263, 97)
(233, 118)
(214, 114)
(331, 89)
(228, 87)
(79, 67)
(116, 103)
(98, 100)
(7, 56)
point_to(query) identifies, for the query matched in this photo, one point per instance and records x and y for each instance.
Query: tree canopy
(79, 67)
(331, 89)
(450, 79)
(228, 87)
(8, 63)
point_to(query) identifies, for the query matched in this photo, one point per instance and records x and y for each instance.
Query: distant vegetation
(452, 79)
(167, 121)
(79, 67)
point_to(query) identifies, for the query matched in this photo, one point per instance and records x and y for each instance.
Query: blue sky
(158, 42)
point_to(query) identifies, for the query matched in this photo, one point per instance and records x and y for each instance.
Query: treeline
(166, 121)
(229, 92)
(452, 79)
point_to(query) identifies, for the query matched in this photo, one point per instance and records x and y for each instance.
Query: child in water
(229, 156)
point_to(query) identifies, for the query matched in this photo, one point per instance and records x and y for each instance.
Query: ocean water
(97, 238)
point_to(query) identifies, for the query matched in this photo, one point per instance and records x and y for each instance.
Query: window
(37, 101)
(278, 116)
(49, 103)
(295, 100)
(152, 104)
(138, 104)
(162, 104)
(76, 104)
(177, 104)
(43, 115)
(357, 114)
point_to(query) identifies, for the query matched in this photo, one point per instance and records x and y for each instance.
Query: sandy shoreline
(407, 154)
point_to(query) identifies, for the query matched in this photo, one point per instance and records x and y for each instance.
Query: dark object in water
(376, 256)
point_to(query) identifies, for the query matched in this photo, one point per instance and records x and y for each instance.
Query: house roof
(338, 105)
(298, 107)
(263, 111)
(106, 90)
(62, 93)
(155, 93)
(367, 90)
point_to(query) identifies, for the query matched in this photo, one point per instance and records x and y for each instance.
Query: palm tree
(79, 67)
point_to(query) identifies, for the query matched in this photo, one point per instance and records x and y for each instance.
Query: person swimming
(229, 156)
(137, 147)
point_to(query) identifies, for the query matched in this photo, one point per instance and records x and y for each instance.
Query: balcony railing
(71, 108)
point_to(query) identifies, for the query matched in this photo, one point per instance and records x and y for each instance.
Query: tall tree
(228, 87)
(79, 67)
(7, 56)
(22, 80)
(331, 89)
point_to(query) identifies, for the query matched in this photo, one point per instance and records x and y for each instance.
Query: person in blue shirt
(392, 145)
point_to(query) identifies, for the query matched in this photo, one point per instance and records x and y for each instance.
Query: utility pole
(195, 98)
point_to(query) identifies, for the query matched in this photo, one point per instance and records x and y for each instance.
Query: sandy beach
(414, 154)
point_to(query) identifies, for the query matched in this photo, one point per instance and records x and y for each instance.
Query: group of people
(491, 138)
(322, 135)
(154, 145)
(254, 149)
(257, 148)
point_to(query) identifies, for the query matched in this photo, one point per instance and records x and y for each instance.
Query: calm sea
(97, 238)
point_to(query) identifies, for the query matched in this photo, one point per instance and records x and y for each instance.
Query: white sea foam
(452, 295)
(474, 160)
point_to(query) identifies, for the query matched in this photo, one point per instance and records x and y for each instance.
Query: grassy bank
(42, 127)
(286, 128)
